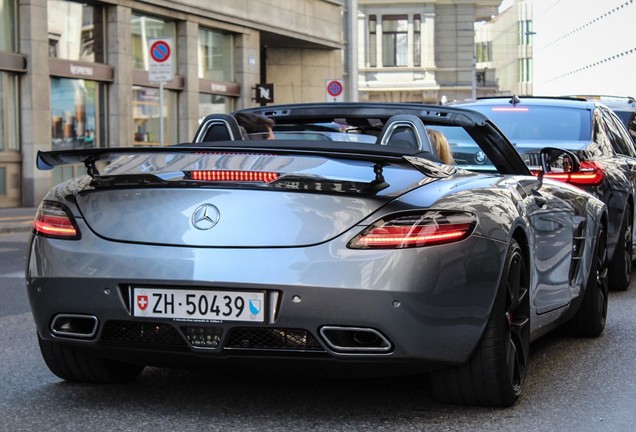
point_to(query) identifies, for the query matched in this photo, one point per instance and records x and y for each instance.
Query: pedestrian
(257, 126)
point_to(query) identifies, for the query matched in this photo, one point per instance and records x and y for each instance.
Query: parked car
(603, 145)
(317, 252)
(623, 106)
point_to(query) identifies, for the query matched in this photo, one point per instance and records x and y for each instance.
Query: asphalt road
(573, 385)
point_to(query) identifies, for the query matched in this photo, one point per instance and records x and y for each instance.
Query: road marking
(13, 275)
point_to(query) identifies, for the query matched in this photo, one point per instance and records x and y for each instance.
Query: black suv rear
(606, 150)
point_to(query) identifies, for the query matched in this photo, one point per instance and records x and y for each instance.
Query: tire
(589, 320)
(77, 365)
(621, 264)
(495, 374)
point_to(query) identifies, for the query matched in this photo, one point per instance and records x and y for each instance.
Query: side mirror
(558, 161)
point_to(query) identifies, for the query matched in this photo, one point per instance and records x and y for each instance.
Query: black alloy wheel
(621, 265)
(589, 320)
(496, 372)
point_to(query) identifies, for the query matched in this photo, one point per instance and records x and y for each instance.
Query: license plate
(199, 305)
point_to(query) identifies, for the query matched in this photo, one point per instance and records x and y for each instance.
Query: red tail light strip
(233, 176)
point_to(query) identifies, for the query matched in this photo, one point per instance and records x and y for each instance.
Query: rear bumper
(408, 306)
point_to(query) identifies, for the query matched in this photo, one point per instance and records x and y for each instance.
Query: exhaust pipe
(356, 340)
(74, 326)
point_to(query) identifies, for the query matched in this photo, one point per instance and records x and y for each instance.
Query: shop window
(76, 31)
(148, 116)
(215, 55)
(3, 181)
(9, 112)
(145, 28)
(75, 113)
(214, 104)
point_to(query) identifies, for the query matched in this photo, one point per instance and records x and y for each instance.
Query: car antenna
(514, 100)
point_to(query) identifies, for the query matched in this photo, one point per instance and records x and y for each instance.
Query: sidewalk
(16, 219)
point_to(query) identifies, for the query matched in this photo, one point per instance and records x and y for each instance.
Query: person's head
(441, 146)
(256, 124)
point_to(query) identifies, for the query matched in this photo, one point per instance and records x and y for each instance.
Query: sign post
(160, 70)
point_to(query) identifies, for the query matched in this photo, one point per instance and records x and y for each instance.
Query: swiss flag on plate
(142, 302)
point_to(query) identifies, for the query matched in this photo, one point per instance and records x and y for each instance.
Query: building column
(188, 63)
(35, 99)
(247, 66)
(119, 50)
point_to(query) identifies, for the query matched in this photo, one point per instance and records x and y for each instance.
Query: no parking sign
(335, 91)
(160, 60)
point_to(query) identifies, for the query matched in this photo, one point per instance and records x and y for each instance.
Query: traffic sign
(160, 61)
(335, 91)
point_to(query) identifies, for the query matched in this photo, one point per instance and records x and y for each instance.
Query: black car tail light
(54, 220)
(590, 174)
(415, 230)
(233, 176)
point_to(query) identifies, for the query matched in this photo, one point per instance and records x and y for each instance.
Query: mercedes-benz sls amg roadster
(343, 241)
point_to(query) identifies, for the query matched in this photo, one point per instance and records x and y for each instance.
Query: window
(76, 31)
(9, 112)
(525, 70)
(395, 40)
(214, 104)
(145, 28)
(148, 115)
(621, 140)
(76, 107)
(417, 40)
(483, 52)
(373, 41)
(8, 22)
(525, 32)
(215, 55)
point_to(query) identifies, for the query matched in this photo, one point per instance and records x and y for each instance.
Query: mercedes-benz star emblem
(205, 217)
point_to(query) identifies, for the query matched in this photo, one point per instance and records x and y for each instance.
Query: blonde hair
(441, 146)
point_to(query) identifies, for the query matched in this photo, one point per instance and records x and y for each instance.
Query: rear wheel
(621, 265)
(589, 320)
(496, 371)
(77, 365)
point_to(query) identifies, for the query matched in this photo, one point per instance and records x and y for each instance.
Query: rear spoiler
(379, 155)
(47, 160)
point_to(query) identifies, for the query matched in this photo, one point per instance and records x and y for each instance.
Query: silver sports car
(344, 241)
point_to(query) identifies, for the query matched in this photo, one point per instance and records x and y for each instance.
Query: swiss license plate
(199, 304)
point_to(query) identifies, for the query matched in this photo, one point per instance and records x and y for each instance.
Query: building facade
(506, 49)
(80, 74)
(420, 51)
(590, 52)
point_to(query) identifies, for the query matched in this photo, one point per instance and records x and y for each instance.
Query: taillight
(233, 176)
(54, 220)
(590, 174)
(416, 230)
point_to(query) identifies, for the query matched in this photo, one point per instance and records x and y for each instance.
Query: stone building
(80, 74)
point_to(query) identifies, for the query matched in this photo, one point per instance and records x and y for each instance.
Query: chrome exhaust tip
(355, 340)
(74, 326)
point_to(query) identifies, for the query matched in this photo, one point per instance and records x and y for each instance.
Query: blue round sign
(334, 88)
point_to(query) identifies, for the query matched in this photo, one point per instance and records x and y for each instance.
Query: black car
(623, 106)
(596, 134)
